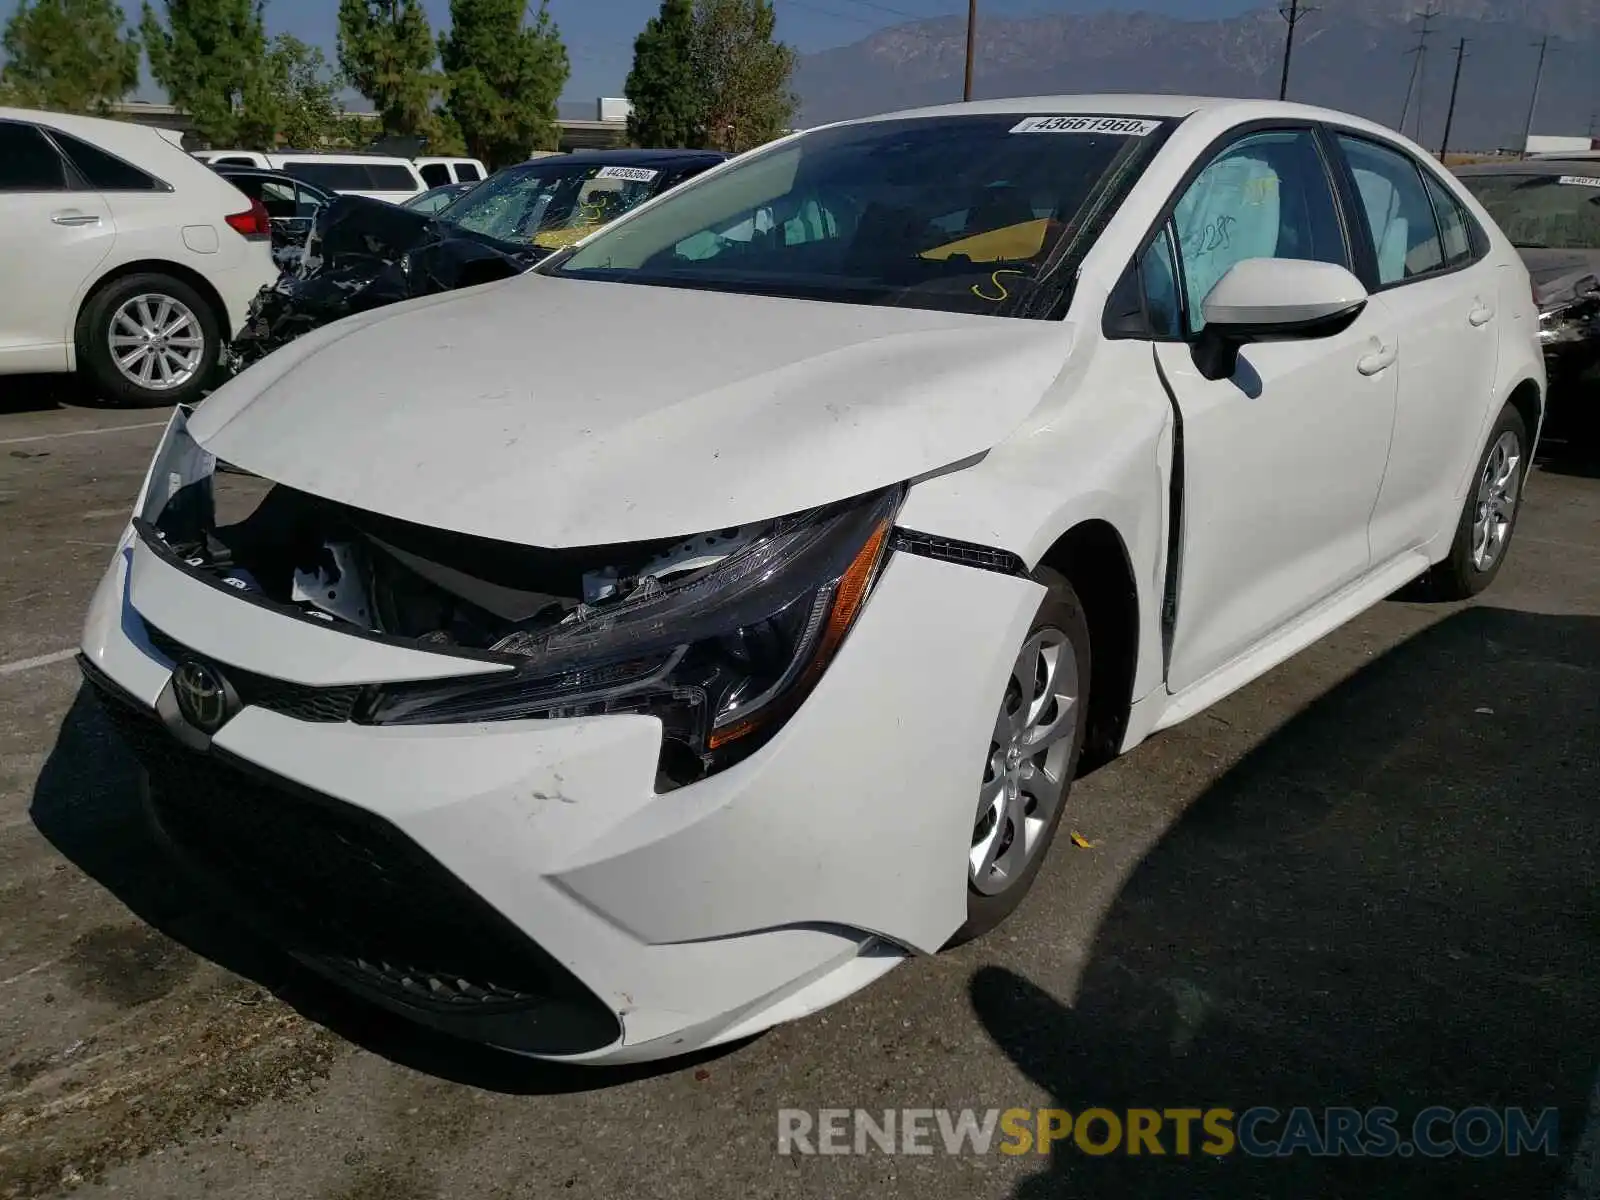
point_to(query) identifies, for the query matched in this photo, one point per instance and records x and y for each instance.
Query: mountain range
(1356, 55)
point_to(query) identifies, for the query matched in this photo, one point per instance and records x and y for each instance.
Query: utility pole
(1455, 89)
(972, 45)
(1419, 52)
(1533, 104)
(1294, 14)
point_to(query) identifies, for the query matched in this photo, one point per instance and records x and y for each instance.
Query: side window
(1158, 272)
(435, 174)
(104, 172)
(232, 160)
(468, 173)
(1266, 196)
(1399, 214)
(277, 198)
(29, 163)
(306, 202)
(1455, 226)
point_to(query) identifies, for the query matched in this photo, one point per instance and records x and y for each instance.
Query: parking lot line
(38, 660)
(45, 437)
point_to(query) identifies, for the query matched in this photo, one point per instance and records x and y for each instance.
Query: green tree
(302, 89)
(386, 51)
(69, 56)
(663, 86)
(210, 55)
(503, 78)
(745, 73)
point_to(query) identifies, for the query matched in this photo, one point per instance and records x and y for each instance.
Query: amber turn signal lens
(848, 596)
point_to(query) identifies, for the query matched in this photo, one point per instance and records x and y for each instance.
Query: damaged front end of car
(719, 636)
(1569, 325)
(363, 254)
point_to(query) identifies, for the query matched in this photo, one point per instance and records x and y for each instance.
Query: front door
(1281, 463)
(51, 241)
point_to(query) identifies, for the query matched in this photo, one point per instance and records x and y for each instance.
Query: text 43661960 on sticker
(1123, 126)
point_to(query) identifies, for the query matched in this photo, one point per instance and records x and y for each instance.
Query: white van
(380, 176)
(436, 172)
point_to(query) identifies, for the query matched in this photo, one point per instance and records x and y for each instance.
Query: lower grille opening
(352, 896)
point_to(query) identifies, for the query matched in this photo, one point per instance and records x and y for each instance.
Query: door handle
(1480, 316)
(71, 216)
(1379, 360)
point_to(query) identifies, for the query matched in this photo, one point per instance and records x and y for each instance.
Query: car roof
(1135, 104)
(1534, 166)
(340, 156)
(634, 158)
(123, 138)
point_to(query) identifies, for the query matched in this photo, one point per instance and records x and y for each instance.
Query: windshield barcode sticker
(1580, 180)
(635, 174)
(1126, 126)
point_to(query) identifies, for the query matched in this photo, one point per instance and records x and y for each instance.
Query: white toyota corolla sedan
(621, 659)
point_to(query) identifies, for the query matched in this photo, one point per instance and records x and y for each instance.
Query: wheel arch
(1527, 397)
(147, 266)
(1094, 558)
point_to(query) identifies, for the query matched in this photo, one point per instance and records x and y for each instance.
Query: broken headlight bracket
(721, 659)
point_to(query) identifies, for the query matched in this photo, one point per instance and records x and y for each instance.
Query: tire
(1059, 623)
(1502, 468)
(188, 315)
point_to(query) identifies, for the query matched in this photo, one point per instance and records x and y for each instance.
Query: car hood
(558, 412)
(1556, 273)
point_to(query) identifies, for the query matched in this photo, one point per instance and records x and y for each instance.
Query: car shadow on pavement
(41, 393)
(86, 803)
(1391, 901)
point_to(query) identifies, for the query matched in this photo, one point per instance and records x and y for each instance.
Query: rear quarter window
(435, 174)
(105, 172)
(468, 173)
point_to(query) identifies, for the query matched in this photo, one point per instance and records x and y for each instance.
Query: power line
(1293, 15)
(897, 12)
(832, 12)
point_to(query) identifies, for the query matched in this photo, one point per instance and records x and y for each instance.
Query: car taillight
(253, 223)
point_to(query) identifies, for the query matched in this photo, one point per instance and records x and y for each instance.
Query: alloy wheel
(1030, 753)
(1498, 489)
(156, 342)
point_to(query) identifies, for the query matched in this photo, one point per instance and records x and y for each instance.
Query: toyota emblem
(202, 695)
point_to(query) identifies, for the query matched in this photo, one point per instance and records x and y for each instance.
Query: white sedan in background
(630, 656)
(121, 256)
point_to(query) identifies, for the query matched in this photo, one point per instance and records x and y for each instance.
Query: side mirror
(1273, 300)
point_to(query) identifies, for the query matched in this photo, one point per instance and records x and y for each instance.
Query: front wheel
(1032, 758)
(1489, 517)
(148, 340)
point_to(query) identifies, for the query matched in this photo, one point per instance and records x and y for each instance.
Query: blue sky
(599, 33)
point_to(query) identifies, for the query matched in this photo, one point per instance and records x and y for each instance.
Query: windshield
(982, 214)
(1558, 212)
(551, 206)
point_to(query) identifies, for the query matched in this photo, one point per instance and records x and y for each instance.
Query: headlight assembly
(721, 659)
(177, 489)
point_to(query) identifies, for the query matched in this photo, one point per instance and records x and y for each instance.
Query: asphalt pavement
(1369, 879)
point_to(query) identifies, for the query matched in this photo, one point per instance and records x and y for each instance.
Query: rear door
(54, 234)
(1429, 272)
(1281, 463)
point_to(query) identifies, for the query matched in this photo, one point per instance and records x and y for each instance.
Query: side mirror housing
(1274, 300)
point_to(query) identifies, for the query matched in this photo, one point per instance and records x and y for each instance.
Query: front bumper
(521, 882)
